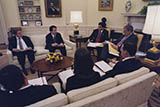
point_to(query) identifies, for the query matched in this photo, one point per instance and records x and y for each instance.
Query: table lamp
(75, 18)
(152, 26)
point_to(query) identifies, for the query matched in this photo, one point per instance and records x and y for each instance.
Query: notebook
(103, 66)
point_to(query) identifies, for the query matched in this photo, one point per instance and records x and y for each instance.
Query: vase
(128, 5)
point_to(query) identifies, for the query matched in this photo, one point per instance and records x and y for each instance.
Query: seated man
(128, 64)
(127, 37)
(15, 90)
(21, 46)
(54, 41)
(99, 35)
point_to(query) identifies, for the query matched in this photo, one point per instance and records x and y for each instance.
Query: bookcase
(29, 12)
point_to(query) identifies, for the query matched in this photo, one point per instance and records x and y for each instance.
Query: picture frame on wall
(53, 8)
(105, 5)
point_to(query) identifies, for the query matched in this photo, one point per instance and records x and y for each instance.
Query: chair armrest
(57, 86)
(71, 44)
(10, 57)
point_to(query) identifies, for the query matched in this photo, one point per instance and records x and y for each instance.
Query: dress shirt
(128, 58)
(23, 43)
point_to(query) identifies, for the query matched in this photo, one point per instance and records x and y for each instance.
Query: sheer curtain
(3, 29)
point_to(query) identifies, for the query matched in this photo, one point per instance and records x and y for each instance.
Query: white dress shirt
(23, 43)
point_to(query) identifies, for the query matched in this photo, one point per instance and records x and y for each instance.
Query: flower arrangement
(53, 58)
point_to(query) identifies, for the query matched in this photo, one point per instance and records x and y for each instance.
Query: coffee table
(43, 68)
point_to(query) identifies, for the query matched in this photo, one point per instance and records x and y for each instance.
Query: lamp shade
(152, 22)
(76, 17)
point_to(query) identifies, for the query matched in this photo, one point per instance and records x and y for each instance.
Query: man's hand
(16, 50)
(28, 48)
(61, 45)
(54, 44)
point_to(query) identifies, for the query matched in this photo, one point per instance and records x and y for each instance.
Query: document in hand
(38, 81)
(103, 66)
(94, 45)
(112, 50)
(64, 76)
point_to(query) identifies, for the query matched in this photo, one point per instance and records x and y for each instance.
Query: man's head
(11, 78)
(51, 4)
(128, 49)
(127, 30)
(53, 29)
(100, 26)
(18, 33)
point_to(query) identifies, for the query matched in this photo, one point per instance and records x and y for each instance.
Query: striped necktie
(20, 44)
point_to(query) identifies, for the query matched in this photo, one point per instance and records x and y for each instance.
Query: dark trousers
(105, 53)
(22, 56)
(99, 50)
(62, 50)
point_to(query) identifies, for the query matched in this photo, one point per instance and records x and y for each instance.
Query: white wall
(91, 14)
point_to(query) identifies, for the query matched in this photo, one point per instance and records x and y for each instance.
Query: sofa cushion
(122, 78)
(38, 40)
(40, 50)
(54, 101)
(81, 93)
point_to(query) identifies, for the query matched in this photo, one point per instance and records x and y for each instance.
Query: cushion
(122, 78)
(54, 101)
(38, 40)
(81, 93)
(40, 50)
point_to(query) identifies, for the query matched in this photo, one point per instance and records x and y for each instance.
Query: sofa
(124, 90)
(40, 51)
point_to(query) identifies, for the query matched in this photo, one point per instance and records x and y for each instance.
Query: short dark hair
(129, 27)
(83, 63)
(11, 78)
(131, 48)
(103, 24)
(51, 27)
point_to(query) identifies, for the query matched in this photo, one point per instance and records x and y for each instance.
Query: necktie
(99, 36)
(122, 40)
(20, 44)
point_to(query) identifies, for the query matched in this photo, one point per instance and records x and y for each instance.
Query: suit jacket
(13, 42)
(26, 96)
(126, 66)
(95, 33)
(49, 40)
(132, 38)
(77, 81)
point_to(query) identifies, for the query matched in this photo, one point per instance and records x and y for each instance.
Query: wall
(91, 15)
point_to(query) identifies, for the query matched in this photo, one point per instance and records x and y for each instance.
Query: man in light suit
(128, 64)
(21, 46)
(16, 91)
(54, 41)
(99, 36)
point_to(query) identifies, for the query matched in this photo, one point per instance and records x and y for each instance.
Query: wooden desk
(78, 41)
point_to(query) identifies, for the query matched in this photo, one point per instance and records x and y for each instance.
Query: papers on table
(94, 45)
(103, 66)
(38, 81)
(112, 50)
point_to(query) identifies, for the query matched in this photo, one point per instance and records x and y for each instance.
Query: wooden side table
(3, 61)
(152, 66)
(78, 41)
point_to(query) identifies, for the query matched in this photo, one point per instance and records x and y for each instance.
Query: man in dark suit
(21, 46)
(128, 64)
(52, 10)
(98, 36)
(16, 92)
(127, 37)
(54, 41)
